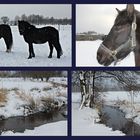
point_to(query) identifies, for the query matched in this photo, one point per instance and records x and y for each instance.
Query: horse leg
(58, 49)
(51, 50)
(8, 50)
(31, 51)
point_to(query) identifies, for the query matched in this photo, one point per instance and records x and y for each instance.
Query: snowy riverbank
(84, 122)
(51, 129)
(122, 100)
(23, 97)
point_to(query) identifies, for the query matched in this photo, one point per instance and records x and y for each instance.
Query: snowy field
(24, 97)
(86, 55)
(84, 122)
(19, 54)
(20, 93)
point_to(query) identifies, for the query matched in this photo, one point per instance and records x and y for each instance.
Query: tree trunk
(92, 100)
(84, 94)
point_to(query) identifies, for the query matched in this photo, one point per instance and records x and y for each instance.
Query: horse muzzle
(103, 57)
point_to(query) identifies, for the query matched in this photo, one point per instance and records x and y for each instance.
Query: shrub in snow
(47, 89)
(28, 109)
(63, 109)
(49, 104)
(3, 94)
(29, 105)
(35, 89)
(121, 102)
(14, 89)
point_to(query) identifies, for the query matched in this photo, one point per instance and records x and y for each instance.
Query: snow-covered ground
(86, 52)
(84, 122)
(122, 100)
(25, 97)
(19, 54)
(51, 129)
(20, 94)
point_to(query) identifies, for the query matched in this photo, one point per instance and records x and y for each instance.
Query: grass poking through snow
(3, 96)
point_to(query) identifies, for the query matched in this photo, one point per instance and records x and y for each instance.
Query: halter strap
(131, 43)
(133, 32)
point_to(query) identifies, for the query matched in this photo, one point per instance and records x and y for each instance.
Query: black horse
(123, 38)
(35, 35)
(6, 34)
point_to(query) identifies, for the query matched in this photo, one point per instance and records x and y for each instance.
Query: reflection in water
(115, 119)
(19, 124)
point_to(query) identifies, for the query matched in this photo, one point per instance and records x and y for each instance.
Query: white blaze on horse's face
(116, 44)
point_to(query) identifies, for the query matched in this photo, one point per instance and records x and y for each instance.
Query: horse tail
(9, 39)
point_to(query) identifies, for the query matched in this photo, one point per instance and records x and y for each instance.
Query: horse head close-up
(123, 38)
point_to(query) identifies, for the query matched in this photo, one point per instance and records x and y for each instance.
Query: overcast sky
(97, 17)
(47, 10)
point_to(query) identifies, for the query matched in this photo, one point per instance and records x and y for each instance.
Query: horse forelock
(123, 18)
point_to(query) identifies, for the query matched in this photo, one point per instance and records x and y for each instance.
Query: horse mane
(27, 23)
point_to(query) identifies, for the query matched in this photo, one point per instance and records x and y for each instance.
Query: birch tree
(91, 87)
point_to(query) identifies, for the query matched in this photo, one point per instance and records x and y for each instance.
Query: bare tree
(24, 17)
(5, 19)
(91, 84)
(17, 18)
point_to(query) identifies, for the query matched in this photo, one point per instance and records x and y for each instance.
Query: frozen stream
(19, 124)
(115, 119)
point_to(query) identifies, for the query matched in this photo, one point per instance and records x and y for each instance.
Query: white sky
(47, 10)
(97, 17)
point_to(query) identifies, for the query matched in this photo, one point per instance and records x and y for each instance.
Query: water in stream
(19, 124)
(115, 119)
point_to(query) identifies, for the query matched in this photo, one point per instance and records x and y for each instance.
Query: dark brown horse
(42, 35)
(123, 38)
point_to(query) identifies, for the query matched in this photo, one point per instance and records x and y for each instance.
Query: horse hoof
(61, 54)
(29, 57)
(49, 56)
(8, 50)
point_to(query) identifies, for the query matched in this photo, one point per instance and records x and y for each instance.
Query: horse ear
(130, 9)
(118, 10)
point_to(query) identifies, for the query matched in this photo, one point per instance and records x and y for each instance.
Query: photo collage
(69, 69)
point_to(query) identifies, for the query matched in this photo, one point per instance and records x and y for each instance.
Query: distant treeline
(32, 74)
(36, 19)
(89, 36)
